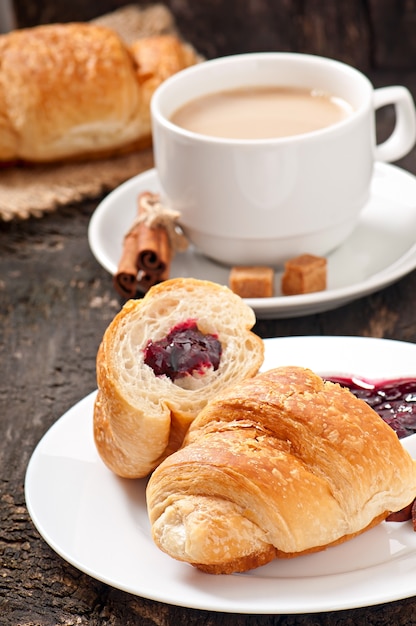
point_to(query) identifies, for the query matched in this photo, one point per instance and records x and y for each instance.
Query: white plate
(381, 249)
(98, 522)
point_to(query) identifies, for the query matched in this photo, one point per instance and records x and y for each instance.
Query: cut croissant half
(142, 414)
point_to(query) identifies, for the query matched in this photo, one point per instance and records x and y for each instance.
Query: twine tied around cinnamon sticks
(148, 247)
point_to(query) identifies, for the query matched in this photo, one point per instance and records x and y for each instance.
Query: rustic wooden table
(55, 303)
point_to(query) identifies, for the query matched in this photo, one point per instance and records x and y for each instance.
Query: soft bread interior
(139, 417)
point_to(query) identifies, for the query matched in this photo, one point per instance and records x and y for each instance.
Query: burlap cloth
(26, 192)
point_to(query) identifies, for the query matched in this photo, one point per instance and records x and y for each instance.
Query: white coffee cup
(263, 201)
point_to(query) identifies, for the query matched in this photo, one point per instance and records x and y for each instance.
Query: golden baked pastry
(76, 90)
(148, 395)
(279, 465)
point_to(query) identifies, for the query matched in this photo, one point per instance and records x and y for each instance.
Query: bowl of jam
(394, 400)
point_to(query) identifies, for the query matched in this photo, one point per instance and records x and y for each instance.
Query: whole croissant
(280, 465)
(71, 91)
(141, 415)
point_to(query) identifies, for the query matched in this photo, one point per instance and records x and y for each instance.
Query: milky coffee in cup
(261, 112)
(259, 200)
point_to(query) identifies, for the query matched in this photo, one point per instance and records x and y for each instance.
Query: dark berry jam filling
(394, 400)
(185, 351)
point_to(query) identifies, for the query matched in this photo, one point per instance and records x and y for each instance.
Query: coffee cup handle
(403, 137)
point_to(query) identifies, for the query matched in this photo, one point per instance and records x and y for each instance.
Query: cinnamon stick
(147, 252)
(401, 516)
(405, 514)
(154, 255)
(125, 279)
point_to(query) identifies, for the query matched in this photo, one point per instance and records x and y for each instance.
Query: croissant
(280, 465)
(161, 359)
(71, 91)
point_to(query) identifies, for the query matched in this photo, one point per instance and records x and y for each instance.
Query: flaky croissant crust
(76, 90)
(280, 465)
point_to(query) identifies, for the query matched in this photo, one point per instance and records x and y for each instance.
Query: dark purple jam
(394, 400)
(184, 351)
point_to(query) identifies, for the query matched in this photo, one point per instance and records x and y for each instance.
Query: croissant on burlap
(71, 91)
(279, 465)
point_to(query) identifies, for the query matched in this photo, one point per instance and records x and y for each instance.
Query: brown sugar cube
(252, 282)
(304, 274)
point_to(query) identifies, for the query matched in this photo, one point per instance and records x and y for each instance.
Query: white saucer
(99, 522)
(381, 250)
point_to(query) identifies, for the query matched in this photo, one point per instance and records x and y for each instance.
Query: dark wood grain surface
(56, 301)
(371, 34)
